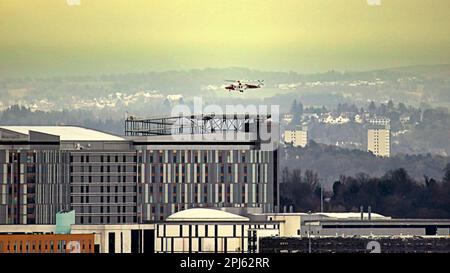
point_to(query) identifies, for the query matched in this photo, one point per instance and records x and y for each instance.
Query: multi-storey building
(379, 140)
(46, 169)
(298, 137)
(144, 176)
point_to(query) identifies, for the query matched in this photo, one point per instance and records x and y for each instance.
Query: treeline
(18, 115)
(395, 194)
(331, 162)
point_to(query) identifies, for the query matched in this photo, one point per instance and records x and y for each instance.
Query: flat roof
(350, 215)
(66, 133)
(203, 214)
(387, 221)
(333, 215)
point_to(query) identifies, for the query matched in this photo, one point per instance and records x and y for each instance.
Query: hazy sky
(40, 37)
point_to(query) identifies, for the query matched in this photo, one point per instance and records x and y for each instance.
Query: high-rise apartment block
(298, 137)
(379, 136)
(379, 140)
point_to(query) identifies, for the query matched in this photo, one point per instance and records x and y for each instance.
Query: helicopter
(238, 85)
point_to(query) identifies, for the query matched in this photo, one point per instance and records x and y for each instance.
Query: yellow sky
(104, 36)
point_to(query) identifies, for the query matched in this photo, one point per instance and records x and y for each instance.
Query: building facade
(239, 230)
(211, 231)
(96, 238)
(355, 244)
(354, 224)
(47, 243)
(108, 179)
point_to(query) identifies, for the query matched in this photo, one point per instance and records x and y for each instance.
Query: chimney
(291, 209)
(369, 210)
(284, 209)
(361, 209)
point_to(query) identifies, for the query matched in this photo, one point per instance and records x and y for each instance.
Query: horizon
(99, 74)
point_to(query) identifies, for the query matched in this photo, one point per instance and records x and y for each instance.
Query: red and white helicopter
(238, 85)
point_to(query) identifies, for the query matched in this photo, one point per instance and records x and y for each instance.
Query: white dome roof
(201, 214)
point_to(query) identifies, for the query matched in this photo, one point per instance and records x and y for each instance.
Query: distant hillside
(441, 71)
(139, 92)
(330, 162)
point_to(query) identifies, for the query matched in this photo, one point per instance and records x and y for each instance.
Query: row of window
(102, 199)
(50, 246)
(106, 209)
(107, 168)
(103, 178)
(103, 189)
(106, 219)
(196, 157)
(103, 158)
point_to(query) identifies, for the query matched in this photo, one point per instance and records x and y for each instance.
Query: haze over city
(55, 37)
